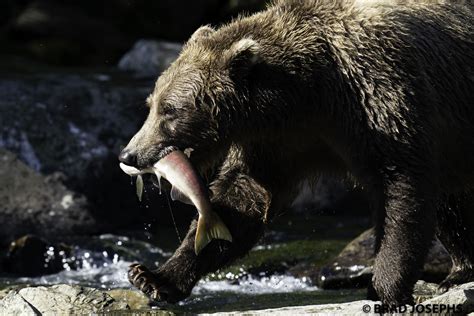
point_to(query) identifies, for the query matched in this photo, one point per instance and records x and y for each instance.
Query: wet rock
(352, 268)
(32, 256)
(424, 291)
(282, 258)
(34, 204)
(148, 58)
(58, 299)
(135, 299)
(4, 292)
(16, 305)
(462, 296)
(68, 299)
(70, 128)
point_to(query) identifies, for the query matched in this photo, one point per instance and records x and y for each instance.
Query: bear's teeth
(188, 151)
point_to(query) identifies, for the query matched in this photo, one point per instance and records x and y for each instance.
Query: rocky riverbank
(69, 299)
(285, 276)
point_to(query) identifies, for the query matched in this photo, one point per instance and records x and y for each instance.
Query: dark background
(85, 33)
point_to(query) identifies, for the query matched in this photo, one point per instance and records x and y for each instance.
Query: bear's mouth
(185, 175)
(165, 151)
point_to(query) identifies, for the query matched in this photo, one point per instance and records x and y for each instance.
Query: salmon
(187, 187)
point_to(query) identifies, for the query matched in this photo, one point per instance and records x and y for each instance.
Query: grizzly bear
(371, 91)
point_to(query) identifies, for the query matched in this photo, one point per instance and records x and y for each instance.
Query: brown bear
(367, 90)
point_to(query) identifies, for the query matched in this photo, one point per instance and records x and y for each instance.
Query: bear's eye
(168, 110)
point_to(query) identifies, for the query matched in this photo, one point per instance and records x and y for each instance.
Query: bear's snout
(128, 157)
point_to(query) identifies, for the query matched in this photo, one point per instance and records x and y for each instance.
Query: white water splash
(107, 276)
(108, 270)
(114, 275)
(253, 285)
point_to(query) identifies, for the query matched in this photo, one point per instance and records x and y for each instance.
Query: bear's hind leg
(455, 231)
(409, 227)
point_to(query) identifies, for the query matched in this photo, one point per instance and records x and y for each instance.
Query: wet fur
(382, 93)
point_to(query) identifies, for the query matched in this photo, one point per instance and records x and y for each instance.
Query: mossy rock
(279, 258)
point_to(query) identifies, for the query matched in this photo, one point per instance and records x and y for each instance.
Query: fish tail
(210, 227)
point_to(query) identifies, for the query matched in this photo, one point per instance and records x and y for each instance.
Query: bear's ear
(202, 32)
(242, 55)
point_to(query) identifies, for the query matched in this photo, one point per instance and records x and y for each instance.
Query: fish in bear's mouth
(187, 186)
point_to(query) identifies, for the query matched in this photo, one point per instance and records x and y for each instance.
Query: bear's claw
(456, 278)
(143, 279)
(151, 284)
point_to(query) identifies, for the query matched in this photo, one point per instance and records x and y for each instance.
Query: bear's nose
(128, 158)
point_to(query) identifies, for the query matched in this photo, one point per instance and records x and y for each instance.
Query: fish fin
(177, 195)
(139, 187)
(210, 227)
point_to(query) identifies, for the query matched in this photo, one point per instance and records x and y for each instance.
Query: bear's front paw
(154, 285)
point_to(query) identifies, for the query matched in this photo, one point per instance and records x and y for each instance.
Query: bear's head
(198, 102)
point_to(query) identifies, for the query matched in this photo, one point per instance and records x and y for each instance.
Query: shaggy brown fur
(382, 92)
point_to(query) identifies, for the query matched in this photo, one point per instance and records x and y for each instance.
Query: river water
(255, 282)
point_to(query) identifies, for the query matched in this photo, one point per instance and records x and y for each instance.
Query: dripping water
(172, 217)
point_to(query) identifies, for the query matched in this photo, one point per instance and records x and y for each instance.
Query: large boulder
(461, 296)
(31, 203)
(148, 58)
(33, 256)
(74, 299)
(68, 129)
(58, 299)
(352, 268)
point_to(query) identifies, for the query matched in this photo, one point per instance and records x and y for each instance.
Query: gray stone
(148, 58)
(34, 204)
(32, 256)
(424, 291)
(58, 299)
(462, 295)
(68, 128)
(135, 299)
(67, 299)
(16, 305)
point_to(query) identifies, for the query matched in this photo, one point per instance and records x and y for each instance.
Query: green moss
(277, 258)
